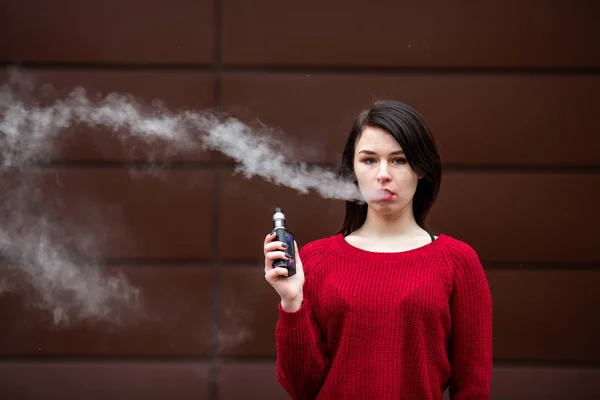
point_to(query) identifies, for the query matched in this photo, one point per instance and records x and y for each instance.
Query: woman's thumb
(297, 255)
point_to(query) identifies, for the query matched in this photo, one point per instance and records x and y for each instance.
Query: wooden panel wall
(511, 90)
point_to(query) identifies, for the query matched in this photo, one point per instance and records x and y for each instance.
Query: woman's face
(386, 180)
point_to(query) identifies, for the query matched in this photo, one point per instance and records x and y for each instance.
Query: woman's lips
(384, 194)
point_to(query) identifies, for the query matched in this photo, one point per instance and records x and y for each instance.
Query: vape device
(284, 236)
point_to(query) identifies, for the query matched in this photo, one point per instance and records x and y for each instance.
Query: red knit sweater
(388, 325)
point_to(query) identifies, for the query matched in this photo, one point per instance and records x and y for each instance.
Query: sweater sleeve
(471, 345)
(301, 363)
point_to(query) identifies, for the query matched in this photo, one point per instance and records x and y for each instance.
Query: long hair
(411, 131)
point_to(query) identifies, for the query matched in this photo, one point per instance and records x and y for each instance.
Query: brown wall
(511, 90)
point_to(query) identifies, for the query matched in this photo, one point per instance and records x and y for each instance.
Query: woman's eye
(400, 160)
(369, 160)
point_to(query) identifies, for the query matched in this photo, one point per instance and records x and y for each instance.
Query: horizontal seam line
(230, 165)
(100, 359)
(326, 69)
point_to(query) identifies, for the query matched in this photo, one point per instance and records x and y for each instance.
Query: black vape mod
(284, 236)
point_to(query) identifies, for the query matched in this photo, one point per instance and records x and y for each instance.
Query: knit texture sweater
(404, 325)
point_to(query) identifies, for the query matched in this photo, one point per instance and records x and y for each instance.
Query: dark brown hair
(411, 131)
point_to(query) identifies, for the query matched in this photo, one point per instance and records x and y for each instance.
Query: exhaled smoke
(33, 245)
(29, 130)
(255, 156)
(68, 289)
(47, 261)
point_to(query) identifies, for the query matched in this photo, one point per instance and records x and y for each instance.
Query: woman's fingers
(274, 274)
(274, 255)
(274, 246)
(271, 257)
(271, 246)
(269, 237)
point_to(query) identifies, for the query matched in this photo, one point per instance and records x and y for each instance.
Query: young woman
(384, 309)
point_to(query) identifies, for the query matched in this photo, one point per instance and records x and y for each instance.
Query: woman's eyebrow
(372, 152)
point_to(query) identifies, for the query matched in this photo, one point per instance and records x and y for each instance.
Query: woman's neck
(400, 224)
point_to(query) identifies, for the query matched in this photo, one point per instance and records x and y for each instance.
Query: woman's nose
(383, 174)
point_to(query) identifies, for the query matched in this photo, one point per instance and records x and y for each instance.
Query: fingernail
(284, 245)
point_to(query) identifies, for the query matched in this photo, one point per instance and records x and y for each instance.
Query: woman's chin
(384, 206)
(388, 207)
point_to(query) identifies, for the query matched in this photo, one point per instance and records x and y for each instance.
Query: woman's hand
(289, 289)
